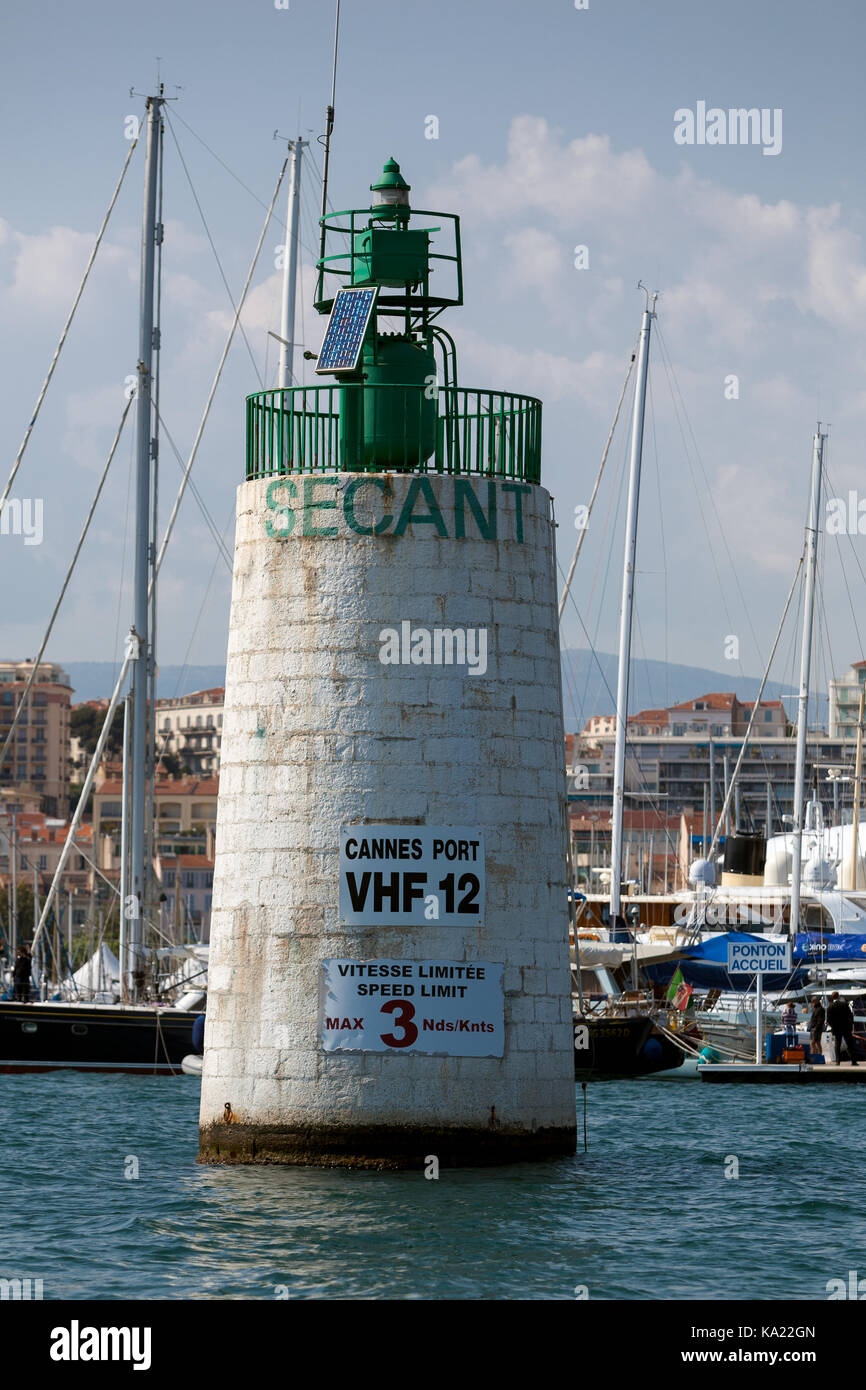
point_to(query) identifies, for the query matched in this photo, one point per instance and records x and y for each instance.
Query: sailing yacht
(124, 1023)
(617, 1034)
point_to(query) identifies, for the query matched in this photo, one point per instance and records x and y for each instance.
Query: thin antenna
(329, 126)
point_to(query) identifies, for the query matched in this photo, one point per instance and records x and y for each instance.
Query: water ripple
(102, 1199)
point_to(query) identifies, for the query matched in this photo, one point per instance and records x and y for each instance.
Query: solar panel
(341, 345)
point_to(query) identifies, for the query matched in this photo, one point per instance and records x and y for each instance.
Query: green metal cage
(456, 430)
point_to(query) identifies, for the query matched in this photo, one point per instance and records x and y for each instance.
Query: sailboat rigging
(131, 1034)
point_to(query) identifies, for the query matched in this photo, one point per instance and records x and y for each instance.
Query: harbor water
(686, 1192)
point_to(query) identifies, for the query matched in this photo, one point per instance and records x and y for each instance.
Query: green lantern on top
(391, 201)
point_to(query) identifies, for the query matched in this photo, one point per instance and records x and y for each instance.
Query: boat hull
(98, 1038)
(622, 1047)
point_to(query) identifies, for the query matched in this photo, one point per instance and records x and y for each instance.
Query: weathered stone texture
(318, 733)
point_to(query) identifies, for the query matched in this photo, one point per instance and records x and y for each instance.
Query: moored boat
(65, 1036)
(622, 1046)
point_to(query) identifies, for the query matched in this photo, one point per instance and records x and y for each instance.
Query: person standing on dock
(21, 974)
(817, 1024)
(841, 1021)
(789, 1019)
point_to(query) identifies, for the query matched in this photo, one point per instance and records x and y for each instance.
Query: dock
(769, 1073)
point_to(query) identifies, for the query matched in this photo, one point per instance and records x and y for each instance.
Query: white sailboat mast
(812, 527)
(285, 374)
(139, 869)
(626, 610)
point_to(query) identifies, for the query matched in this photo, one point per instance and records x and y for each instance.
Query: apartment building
(187, 882)
(190, 728)
(38, 760)
(31, 844)
(845, 701)
(185, 811)
(675, 757)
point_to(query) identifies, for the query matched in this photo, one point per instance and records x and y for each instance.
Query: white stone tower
(389, 972)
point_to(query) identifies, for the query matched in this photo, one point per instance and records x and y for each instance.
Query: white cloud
(581, 179)
(728, 254)
(537, 372)
(836, 275)
(48, 266)
(92, 418)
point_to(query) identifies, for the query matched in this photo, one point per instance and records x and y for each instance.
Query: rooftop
(166, 787)
(214, 696)
(715, 700)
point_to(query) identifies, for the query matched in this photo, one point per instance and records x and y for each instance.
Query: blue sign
(350, 315)
(811, 946)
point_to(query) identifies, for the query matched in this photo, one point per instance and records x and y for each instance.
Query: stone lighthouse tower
(389, 972)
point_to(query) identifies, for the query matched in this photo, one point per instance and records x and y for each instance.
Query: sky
(556, 131)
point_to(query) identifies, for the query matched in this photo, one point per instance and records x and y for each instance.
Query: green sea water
(686, 1191)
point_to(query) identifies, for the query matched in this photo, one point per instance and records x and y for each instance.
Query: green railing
(380, 428)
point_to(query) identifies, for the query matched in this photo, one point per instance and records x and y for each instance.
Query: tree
(171, 765)
(85, 724)
(75, 790)
(25, 910)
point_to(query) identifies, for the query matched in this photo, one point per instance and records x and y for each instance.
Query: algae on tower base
(389, 973)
